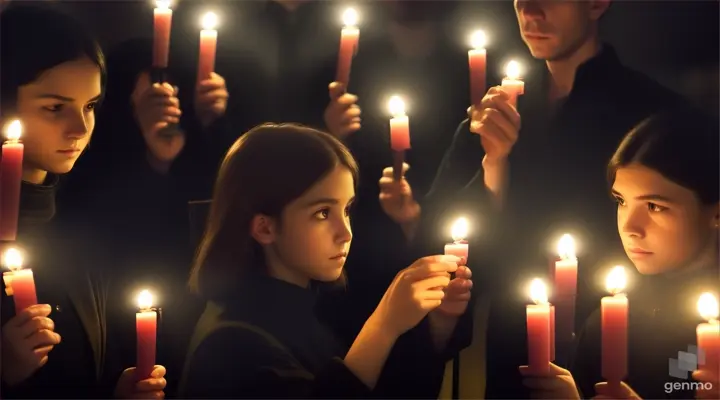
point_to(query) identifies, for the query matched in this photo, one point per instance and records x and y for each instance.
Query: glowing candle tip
(12, 259)
(350, 17)
(566, 247)
(209, 20)
(145, 300)
(616, 280)
(13, 131)
(478, 40)
(708, 307)
(396, 106)
(162, 4)
(538, 291)
(512, 70)
(460, 229)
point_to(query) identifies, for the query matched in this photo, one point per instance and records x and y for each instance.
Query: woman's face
(663, 226)
(57, 111)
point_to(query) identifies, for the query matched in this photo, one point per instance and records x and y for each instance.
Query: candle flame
(538, 291)
(512, 70)
(209, 20)
(460, 229)
(162, 4)
(566, 247)
(14, 130)
(350, 17)
(616, 280)
(145, 300)
(396, 106)
(478, 40)
(708, 306)
(13, 259)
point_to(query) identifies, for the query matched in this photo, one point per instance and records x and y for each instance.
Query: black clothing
(661, 323)
(75, 366)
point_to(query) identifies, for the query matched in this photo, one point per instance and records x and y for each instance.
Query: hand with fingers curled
(497, 122)
(130, 387)
(414, 292)
(342, 115)
(557, 383)
(396, 198)
(27, 339)
(211, 99)
(615, 391)
(457, 294)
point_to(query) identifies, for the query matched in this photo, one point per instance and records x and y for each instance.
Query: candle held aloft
(512, 84)
(21, 281)
(10, 181)
(566, 269)
(614, 315)
(708, 333)
(208, 46)
(146, 324)
(477, 60)
(538, 328)
(162, 22)
(399, 134)
(349, 37)
(459, 246)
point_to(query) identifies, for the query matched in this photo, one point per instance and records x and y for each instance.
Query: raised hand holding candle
(19, 282)
(512, 84)
(459, 246)
(146, 324)
(708, 334)
(349, 37)
(477, 59)
(539, 332)
(208, 46)
(10, 179)
(614, 314)
(162, 19)
(399, 134)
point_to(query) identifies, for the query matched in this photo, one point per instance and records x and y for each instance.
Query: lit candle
(10, 179)
(477, 58)
(146, 323)
(708, 334)
(349, 37)
(161, 40)
(19, 281)
(566, 269)
(614, 312)
(399, 134)
(459, 246)
(208, 46)
(538, 328)
(512, 84)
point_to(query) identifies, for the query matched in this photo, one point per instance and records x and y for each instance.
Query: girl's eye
(656, 208)
(54, 108)
(323, 214)
(90, 106)
(619, 200)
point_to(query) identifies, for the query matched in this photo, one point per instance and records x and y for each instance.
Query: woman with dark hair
(52, 75)
(665, 180)
(277, 231)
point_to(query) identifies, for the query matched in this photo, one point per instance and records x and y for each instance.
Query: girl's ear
(262, 229)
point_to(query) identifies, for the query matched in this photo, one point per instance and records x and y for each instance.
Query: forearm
(369, 352)
(442, 328)
(495, 176)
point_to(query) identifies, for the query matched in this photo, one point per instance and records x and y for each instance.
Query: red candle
(552, 333)
(512, 84)
(208, 46)
(349, 37)
(399, 134)
(459, 247)
(161, 40)
(708, 334)
(10, 179)
(146, 323)
(477, 59)
(614, 314)
(566, 268)
(538, 329)
(19, 282)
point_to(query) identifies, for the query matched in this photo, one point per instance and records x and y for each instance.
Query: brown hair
(266, 169)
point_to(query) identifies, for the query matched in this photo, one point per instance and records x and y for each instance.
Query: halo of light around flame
(538, 291)
(460, 229)
(13, 131)
(616, 280)
(478, 39)
(209, 20)
(566, 247)
(164, 4)
(145, 300)
(396, 106)
(12, 259)
(350, 17)
(512, 70)
(708, 306)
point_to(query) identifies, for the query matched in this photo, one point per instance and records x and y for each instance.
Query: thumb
(336, 90)
(158, 372)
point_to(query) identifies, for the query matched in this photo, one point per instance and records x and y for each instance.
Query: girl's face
(58, 115)
(312, 239)
(663, 226)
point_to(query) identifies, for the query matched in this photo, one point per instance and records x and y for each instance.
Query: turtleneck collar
(37, 202)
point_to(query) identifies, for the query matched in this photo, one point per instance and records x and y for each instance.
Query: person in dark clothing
(280, 231)
(664, 177)
(536, 171)
(52, 79)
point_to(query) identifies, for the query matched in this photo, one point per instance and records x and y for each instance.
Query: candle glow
(209, 21)
(162, 4)
(478, 40)
(708, 307)
(12, 259)
(616, 280)
(350, 17)
(396, 106)
(14, 130)
(538, 291)
(512, 70)
(145, 300)
(566, 247)
(459, 229)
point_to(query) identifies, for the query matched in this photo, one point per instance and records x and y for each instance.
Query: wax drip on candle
(478, 40)
(145, 300)
(708, 307)
(13, 131)
(616, 280)
(209, 21)
(459, 230)
(566, 247)
(538, 291)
